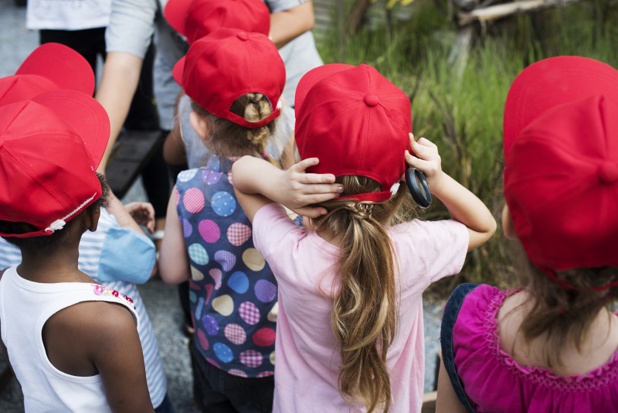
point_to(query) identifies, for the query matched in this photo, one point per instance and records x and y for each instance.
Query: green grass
(461, 111)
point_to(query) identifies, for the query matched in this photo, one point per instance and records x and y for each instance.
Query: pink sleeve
(271, 227)
(430, 250)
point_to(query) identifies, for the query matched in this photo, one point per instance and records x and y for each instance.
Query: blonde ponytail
(226, 138)
(364, 314)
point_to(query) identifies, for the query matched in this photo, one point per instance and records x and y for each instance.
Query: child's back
(350, 330)
(208, 237)
(69, 347)
(550, 345)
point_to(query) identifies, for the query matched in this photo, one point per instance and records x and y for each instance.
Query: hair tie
(362, 210)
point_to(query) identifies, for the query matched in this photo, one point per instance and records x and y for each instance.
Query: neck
(52, 265)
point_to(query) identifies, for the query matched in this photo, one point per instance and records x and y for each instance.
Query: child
(549, 345)
(233, 294)
(73, 344)
(117, 254)
(195, 19)
(350, 327)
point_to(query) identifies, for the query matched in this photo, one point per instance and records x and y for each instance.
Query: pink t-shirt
(307, 352)
(497, 383)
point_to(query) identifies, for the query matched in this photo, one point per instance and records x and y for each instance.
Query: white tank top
(25, 307)
(67, 14)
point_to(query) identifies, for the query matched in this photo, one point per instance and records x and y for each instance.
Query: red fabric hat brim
(176, 13)
(550, 83)
(61, 65)
(206, 74)
(84, 115)
(195, 19)
(50, 148)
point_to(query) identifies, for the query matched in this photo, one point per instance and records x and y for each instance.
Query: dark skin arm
(101, 337)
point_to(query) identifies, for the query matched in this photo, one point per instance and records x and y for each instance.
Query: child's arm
(117, 355)
(173, 259)
(258, 183)
(447, 401)
(174, 152)
(462, 204)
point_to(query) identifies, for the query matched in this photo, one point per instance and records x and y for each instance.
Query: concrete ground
(161, 300)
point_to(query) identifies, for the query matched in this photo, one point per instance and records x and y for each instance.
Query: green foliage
(461, 110)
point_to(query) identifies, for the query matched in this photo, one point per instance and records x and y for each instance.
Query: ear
(199, 124)
(507, 223)
(92, 218)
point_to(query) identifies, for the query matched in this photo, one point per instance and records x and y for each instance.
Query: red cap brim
(179, 70)
(176, 12)
(82, 113)
(550, 83)
(60, 64)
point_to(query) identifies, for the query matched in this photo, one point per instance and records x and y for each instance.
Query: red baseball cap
(195, 19)
(356, 122)
(51, 66)
(50, 148)
(230, 63)
(561, 163)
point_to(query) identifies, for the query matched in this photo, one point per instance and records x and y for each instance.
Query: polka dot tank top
(233, 293)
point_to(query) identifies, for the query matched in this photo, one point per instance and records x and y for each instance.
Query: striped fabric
(89, 253)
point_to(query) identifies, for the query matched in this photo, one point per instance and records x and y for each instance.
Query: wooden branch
(503, 10)
(357, 16)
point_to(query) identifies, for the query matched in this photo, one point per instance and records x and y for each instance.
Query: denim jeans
(217, 391)
(451, 311)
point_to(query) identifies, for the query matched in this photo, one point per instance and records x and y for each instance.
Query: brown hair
(563, 314)
(225, 138)
(364, 314)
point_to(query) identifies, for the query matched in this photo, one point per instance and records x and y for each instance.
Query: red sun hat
(51, 66)
(230, 63)
(195, 19)
(561, 163)
(50, 148)
(356, 122)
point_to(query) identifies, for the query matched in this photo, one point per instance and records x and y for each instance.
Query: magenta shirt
(496, 383)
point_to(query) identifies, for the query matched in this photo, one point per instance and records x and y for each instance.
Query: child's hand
(298, 190)
(142, 213)
(426, 159)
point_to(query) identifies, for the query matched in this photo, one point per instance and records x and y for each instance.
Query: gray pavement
(161, 300)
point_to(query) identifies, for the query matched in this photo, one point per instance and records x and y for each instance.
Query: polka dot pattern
(209, 230)
(186, 176)
(196, 275)
(264, 337)
(210, 325)
(223, 204)
(249, 313)
(236, 372)
(253, 259)
(235, 333)
(238, 282)
(215, 273)
(223, 352)
(198, 254)
(193, 200)
(238, 234)
(265, 291)
(187, 229)
(226, 259)
(251, 358)
(224, 305)
(211, 177)
(233, 294)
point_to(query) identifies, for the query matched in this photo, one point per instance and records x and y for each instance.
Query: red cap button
(371, 100)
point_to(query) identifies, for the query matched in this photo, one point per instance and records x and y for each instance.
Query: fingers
(310, 178)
